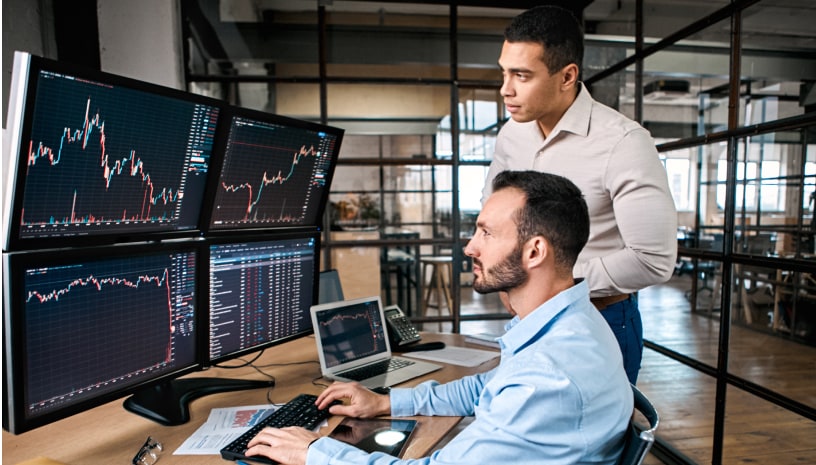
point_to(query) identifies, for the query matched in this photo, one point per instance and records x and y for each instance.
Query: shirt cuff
(402, 403)
(331, 451)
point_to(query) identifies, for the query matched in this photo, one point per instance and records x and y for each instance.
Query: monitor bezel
(205, 291)
(217, 161)
(16, 420)
(20, 120)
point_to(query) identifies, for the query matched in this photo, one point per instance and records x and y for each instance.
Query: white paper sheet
(463, 356)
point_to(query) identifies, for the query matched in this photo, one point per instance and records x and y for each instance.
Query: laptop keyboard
(374, 369)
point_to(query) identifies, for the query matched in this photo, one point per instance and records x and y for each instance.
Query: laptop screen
(351, 330)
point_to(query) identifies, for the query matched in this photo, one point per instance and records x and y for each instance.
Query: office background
(727, 89)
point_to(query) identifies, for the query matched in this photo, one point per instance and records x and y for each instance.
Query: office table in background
(403, 263)
(109, 434)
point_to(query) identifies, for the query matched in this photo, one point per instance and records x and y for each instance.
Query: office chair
(330, 289)
(639, 440)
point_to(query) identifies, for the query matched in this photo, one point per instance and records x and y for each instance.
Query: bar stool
(441, 274)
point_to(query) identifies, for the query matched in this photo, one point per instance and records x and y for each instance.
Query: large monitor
(83, 327)
(274, 172)
(260, 292)
(118, 279)
(102, 158)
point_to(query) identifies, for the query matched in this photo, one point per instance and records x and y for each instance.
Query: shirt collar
(519, 332)
(576, 118)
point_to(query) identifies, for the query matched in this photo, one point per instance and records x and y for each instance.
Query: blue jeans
(624, 319)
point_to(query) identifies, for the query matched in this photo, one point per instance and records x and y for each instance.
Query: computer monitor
(257, 294)
(274, 172)
(260, 292)
(331, 288)
(100, 158)
(82, 327)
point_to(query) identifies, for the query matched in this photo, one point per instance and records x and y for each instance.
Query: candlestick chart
(102, 158)
(91, 324)
(272, 175)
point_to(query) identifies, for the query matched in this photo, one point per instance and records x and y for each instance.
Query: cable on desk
(270, 365)
(259, 369)
(245, 364)
(289, 363)
(315, 383)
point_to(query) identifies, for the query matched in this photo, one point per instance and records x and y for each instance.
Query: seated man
(559, 395)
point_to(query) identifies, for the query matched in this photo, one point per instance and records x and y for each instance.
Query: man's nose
(506, 88)
(469, 249)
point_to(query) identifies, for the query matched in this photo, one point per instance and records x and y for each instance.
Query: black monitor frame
(225, 186)
(162, 200)
(89, 266)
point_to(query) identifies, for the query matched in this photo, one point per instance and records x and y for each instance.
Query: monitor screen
(260, 292)
(83, 327)
(99, 157)
(275, 172)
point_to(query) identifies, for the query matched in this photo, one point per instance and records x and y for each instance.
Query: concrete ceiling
(768, 23)
(775, 24)
(778, 35)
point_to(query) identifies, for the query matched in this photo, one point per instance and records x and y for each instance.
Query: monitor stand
(168, 403)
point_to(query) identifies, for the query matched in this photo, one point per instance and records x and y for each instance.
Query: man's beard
(506, 275)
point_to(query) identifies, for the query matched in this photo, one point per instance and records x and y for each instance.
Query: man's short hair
(554, 208)
(556, 29)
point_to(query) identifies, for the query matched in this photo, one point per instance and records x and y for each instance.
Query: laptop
(353, 345)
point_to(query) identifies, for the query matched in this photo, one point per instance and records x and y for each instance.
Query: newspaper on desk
(223, 426)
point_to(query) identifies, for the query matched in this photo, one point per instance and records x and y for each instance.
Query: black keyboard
(374, 369)
(300, 411)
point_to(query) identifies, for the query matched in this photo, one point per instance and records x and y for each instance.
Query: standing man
(557, 127)
(559, 395)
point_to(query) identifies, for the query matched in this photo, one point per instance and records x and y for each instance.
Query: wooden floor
(756, 431)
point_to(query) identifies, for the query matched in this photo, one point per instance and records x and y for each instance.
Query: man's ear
(570, 75)
(536, 251)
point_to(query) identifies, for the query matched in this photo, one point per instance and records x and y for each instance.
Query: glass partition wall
(726, 89)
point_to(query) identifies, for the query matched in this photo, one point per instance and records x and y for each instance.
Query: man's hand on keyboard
(287, 446)
(362, 402)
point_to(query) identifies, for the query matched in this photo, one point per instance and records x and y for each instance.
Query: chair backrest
(762, 244)
(639, 439)
(330, 288)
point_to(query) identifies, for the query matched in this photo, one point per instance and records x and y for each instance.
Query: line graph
(113, 157)
(94, 323)
(351, 332)
(272, 175)
(99, 283)
(340, 318)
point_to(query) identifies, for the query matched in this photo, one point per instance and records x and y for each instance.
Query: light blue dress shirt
(559, 396)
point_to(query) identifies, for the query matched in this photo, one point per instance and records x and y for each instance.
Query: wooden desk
(110, 434)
